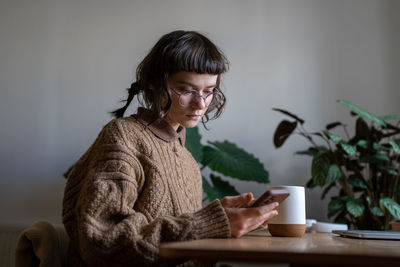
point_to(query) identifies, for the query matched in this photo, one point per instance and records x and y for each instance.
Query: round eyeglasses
(188, 97)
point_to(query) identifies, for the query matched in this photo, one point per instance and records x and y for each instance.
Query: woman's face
(191, 95)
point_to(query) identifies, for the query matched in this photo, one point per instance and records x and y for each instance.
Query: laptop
(369, 234)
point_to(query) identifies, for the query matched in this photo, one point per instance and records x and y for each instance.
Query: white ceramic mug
(291, 218)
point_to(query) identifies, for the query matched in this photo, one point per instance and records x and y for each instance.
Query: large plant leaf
(283, 131)
(224, 188)
(218, 189)
(377, 212)
(193, 143)
(334, 173)
(355, 207)
(357, 182)
(336, 139)
(377, 146)
(362, 113)
(376, 158)
(396, 145)
(349, 149)
(230, 160)
(392, 206)
(301, 121)
(320, 167)
(362, 144)
(362, 130)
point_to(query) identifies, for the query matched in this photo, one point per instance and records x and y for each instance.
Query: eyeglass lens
(194, 96)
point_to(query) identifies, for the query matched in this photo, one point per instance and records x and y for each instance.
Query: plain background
(65, 64)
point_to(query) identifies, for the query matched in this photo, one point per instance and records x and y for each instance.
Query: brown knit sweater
(135, 187)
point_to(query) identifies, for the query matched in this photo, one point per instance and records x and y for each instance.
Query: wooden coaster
(288, 230)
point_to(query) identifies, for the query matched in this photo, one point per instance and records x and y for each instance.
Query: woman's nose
(199, 102)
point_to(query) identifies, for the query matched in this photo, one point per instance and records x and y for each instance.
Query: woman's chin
(191, 123)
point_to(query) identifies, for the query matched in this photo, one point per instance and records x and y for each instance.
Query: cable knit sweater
(135, 187)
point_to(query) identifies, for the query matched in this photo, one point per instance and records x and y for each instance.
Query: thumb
(233, 201)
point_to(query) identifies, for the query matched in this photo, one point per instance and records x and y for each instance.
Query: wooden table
(310, 250)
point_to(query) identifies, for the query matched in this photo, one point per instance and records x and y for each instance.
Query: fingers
(244, 220)
(233, 201)
(262, 213)
(268, 215)
(260, 210)
(261, 221)
(251, 202)
(244, 225)
(267, 208)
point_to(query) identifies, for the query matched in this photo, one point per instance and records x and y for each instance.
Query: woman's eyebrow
(193, 85)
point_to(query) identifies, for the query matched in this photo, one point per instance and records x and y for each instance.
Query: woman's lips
(194, 117)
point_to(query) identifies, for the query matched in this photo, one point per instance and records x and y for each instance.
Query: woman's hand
(244, 220)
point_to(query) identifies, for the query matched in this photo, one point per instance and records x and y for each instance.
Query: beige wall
(64, 64)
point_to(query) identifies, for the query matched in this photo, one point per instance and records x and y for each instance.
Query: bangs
(195, 55)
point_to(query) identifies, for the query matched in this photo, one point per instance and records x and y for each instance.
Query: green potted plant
(364, 166)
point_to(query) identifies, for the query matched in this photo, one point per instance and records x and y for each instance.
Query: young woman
(137, 185)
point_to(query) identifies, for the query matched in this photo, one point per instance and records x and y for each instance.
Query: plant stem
(371, 184)
(386, 221)
(305, 133)
(395, 184)
(346, 187)
(370, 189)
(391, 134)
(328, 143)
(395, 181)
(346, 132)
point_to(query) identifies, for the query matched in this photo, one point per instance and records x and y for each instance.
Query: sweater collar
(161, 128)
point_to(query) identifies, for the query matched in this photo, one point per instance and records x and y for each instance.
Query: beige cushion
(42, 244)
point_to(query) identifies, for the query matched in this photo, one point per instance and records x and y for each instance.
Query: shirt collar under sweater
(161, 128)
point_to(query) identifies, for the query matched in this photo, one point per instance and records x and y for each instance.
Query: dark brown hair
(174, 52)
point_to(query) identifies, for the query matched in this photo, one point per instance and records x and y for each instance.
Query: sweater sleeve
(111, 233)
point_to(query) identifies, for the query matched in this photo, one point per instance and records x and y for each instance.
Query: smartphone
(273, 195)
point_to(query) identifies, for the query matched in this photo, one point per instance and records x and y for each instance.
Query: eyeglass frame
(215, 92)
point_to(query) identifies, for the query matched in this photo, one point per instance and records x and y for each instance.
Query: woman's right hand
(244, 220)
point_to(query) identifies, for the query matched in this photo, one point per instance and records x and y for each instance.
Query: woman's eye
(187, 92)
(184, 91)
